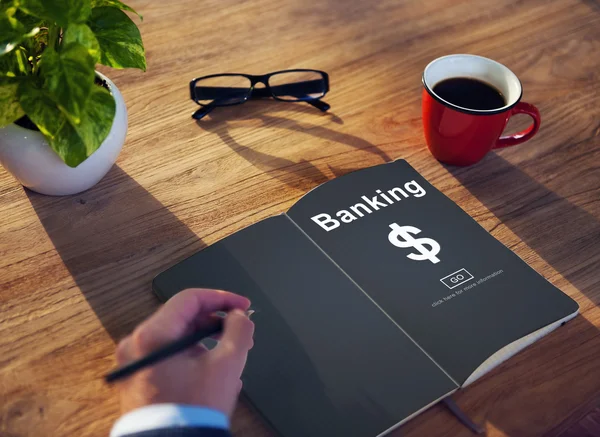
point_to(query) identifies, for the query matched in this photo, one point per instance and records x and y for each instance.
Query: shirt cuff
(160, 416)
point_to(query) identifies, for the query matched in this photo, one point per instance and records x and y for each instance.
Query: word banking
(370, 205)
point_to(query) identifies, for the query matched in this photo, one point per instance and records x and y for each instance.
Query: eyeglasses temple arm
(319, 104)
(202, 112)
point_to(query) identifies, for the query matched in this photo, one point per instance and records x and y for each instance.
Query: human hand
(196, 376)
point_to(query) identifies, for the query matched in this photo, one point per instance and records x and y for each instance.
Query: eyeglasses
(233, 89)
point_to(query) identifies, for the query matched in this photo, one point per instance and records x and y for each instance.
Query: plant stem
(53, 34)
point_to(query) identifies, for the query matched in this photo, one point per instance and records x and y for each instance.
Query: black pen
(167, 351)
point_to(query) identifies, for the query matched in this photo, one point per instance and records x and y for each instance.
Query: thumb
(237, 334)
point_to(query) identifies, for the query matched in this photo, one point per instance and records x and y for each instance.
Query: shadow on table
(566, 236)
(113, 239)
(301, 174)
(594, 5)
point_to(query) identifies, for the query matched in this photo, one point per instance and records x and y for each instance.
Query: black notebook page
(326, 361)
(459, 326)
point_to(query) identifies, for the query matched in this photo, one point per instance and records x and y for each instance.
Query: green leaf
(115, 4)
(29, 21)
(97, 119)
(62, 12)
(42, 110)
(119, 38)
(9, 101)
(82, 34)
(12, 31)
(72, 144)
(14, 64)
(38, 42)
(69, 77)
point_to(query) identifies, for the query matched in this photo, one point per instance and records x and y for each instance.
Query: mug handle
(524, 135)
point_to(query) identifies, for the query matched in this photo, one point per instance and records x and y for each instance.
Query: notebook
(376, 296)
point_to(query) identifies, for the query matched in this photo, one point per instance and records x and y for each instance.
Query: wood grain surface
(75, 272)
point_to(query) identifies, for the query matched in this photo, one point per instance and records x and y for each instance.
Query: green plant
(48, 53)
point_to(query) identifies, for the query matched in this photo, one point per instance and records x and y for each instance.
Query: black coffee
(469, 93)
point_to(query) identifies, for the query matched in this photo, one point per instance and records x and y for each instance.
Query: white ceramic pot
(26, 154)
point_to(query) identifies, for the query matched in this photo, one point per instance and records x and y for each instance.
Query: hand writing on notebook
(196, 376)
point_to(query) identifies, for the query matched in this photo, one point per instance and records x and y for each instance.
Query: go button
(457, 278)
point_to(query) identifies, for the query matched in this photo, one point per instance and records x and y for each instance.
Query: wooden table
(76, 271)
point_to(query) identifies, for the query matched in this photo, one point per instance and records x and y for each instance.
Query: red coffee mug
(462, 136)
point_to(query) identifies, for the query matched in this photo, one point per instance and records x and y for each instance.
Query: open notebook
(375, 296)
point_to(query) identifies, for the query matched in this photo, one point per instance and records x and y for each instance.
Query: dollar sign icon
(402, 236)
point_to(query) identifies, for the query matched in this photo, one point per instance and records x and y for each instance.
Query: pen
(167, 351)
